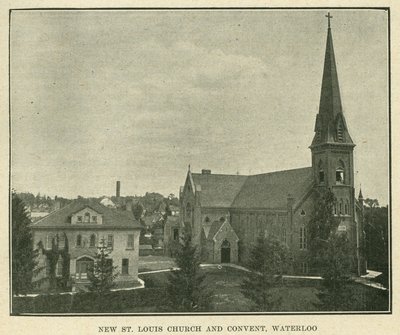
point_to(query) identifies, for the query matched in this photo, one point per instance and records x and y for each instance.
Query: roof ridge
(220, 174)
(272, 172)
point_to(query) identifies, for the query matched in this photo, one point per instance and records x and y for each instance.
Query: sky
(137, 96)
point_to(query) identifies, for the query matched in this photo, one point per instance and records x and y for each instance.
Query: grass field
(224, 283)
(299, 296)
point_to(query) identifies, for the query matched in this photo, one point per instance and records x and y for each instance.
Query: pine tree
(330, 254)
(336, 293)
(102, 275)
(23, 254)
(186, 291)
(322, 225)
(269, 259)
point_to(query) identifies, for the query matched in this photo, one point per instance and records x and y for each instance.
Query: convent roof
(111, 218)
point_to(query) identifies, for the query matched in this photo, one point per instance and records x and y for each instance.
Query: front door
(82, 266)
(225, 252)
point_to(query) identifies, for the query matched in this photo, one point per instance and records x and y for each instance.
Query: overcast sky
(136, 96)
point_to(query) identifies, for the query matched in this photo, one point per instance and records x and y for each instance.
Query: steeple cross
(329, 16)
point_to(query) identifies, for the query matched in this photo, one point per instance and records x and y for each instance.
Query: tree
(377, 240)
(23, 255)
(336, 293)
(102, 275)
(330, 253)
(268, 261)
(137, 210)
(322, 225)
(186, 291)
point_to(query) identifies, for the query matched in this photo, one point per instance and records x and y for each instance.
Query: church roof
(268, 190)
(330, 125)
(271, 190)
(112, 218)
(218, 190)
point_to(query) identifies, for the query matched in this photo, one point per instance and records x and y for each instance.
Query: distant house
(78, 229)
(108, 202)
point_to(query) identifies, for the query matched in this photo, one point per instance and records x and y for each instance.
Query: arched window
(341, 207)
(340, 173)
(303, 238)
(321, 173)
(188, 211)
(92, 240)
(225, 244)
(335, 208)
(79, 240)
(346, 207)
(87, 217)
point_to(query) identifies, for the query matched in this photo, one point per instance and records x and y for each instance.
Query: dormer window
(94, 218)
(79, 218)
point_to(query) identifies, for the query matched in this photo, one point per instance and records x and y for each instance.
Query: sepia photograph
(199, 161)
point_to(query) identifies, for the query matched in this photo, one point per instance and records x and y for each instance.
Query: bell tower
(332, 146)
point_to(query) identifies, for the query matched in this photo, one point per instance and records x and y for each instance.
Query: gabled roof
(215, 227)
(112, 218)
(271, 190)
(268, 190)
(218, 190)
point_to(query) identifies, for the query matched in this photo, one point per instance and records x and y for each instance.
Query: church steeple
(330, 125)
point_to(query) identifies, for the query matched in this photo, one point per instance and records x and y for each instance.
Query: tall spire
(330, 126)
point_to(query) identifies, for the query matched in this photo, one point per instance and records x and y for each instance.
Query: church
(227, 213)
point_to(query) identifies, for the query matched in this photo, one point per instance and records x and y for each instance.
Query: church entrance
(225, 252)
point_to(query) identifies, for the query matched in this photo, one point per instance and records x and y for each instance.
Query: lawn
(297, 296)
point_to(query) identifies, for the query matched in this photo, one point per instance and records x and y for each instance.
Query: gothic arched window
(321, 173)
(303, 238)
(188, 211)
(346, 207)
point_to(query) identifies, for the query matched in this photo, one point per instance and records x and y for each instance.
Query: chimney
(118, 194)
(205, 171)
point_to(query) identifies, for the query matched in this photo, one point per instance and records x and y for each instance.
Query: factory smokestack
(118, 189)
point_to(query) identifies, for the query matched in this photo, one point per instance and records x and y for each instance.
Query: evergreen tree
(330, 254)
(186, 291)
(102, 275)
(269, 259)
(322, 225)
(336, 293)
(23, 255)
